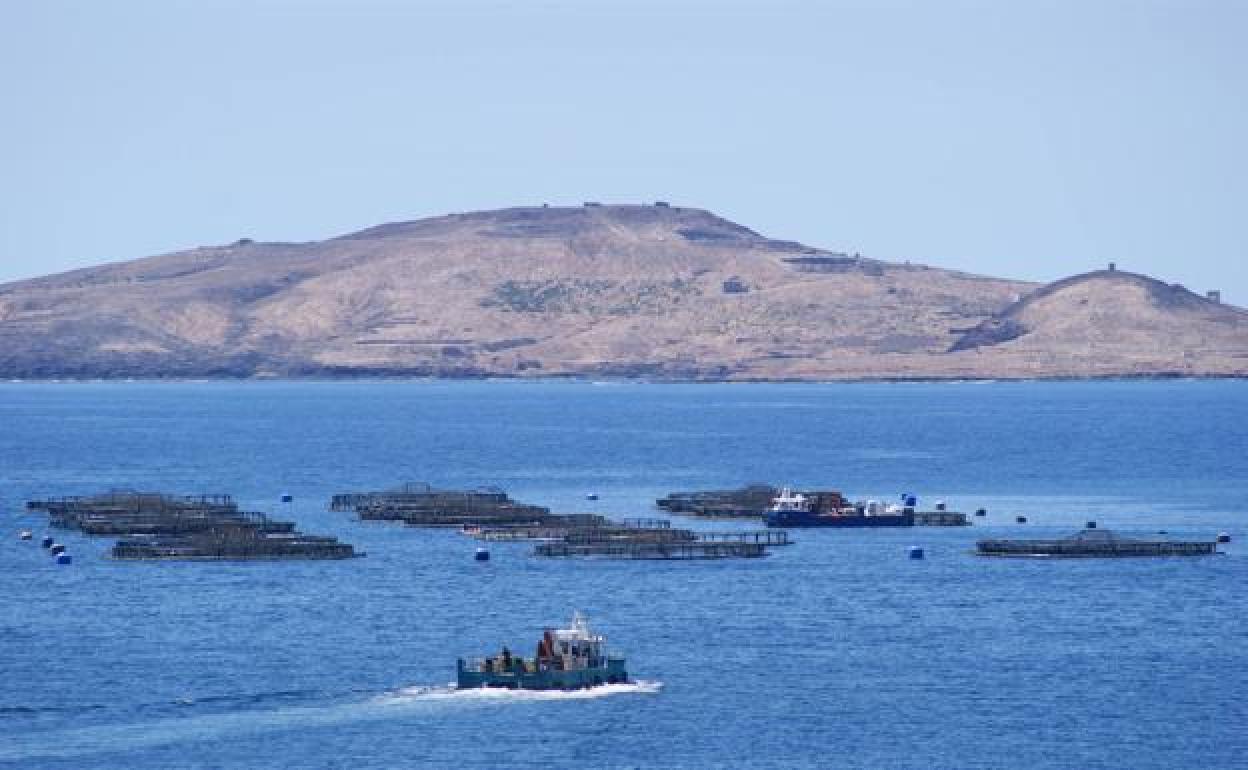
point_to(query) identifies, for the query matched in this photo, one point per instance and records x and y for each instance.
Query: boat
(793, 509)
(572, 658)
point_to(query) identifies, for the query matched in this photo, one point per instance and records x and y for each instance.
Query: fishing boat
(793, 509)
(572, 658)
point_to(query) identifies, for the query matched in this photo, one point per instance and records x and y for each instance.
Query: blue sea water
(835, 652)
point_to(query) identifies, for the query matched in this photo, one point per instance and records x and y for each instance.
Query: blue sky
(1021, 139)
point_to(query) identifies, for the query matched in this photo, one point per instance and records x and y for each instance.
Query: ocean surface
(835, 652)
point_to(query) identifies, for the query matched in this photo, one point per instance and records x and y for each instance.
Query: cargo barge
(573, 658)
(1094, 543)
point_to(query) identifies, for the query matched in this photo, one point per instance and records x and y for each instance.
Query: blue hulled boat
(793, 509)
(567, 659)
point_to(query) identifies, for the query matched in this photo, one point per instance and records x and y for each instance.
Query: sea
(837, 651)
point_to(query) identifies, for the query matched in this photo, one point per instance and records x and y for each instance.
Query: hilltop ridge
(649, 290)
(1105, 311)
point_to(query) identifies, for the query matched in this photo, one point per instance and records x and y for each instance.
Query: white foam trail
(402, 703)
(502, 695)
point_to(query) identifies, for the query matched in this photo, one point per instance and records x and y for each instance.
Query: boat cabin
(790, 501)
(564, 649)
(569, 649)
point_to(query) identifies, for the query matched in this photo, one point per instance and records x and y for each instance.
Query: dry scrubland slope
(594, 290)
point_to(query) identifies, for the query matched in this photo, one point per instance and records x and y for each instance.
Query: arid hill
(1109, 320)
(645, 290)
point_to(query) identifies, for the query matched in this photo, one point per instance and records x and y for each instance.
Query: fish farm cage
(1094, 543)
(163, 526)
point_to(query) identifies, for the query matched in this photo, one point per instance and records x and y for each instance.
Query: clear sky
(1021, 139)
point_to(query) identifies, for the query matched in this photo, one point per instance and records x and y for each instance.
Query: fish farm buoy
(915, 552)
(1223, 537)
(64, 558)
(981, 512)
(1020, 519)
(1091, 525)
(46, 542)
(25, 534)
(287, 498)
(482, 555)
(57, 549)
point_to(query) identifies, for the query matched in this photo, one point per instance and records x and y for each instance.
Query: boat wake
(502, 695)
(404, 703)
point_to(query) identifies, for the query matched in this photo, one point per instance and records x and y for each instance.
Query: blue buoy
(46, 542)
(482, 555)
(915, 552)
(57, 549)
(911, 501)
(1020, 519)
(1091, 525)
(591, 496)
(64, 558)
(981, 512)
(287, 498)
(1224, 537)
